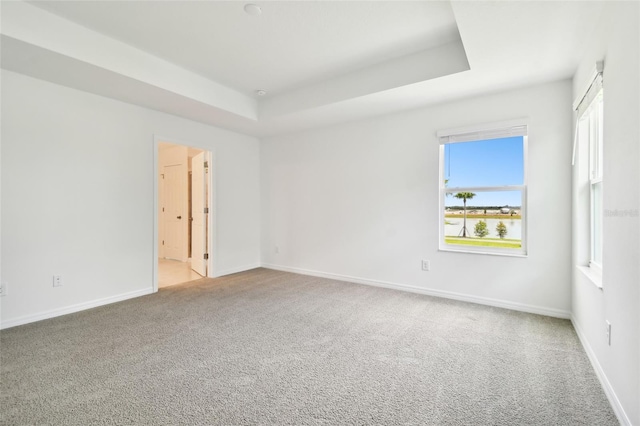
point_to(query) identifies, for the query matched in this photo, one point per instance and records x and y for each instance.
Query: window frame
(478, 133)
(595, 146)
(585, 180)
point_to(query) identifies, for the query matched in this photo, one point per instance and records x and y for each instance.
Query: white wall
(616, 42)
(77, 197)
(360, 201)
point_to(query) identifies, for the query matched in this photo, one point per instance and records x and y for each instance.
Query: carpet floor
(274, 348)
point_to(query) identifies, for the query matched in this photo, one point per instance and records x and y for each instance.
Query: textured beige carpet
(268, 347)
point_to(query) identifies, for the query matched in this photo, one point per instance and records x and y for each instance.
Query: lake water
(453, 227)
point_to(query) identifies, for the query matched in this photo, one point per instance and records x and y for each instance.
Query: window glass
(494, 162)
(596, 232)
(483, 194)
(499, 211)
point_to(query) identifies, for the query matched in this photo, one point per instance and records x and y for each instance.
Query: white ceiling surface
(322, 62)
(290, 45)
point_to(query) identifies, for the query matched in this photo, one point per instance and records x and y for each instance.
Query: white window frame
(594, 113)
(590, 105)
(482, 132)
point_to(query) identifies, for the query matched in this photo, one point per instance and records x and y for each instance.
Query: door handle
(179, 217)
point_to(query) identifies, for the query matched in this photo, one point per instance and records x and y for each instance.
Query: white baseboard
(604, 381)
(540, 310)
(100, 302)
(236, 270)
(73, 308)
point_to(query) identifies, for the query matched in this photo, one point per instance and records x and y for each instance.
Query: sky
(492, 162)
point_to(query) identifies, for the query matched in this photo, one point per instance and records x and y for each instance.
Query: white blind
(583, 101)
(590, 95)
(479, 135)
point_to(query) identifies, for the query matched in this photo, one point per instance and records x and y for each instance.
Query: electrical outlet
(608, 331)
(426, 265)
(4, 288)
(57, 280)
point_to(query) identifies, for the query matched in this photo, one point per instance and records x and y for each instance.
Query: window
(590, 139)
(483, 189)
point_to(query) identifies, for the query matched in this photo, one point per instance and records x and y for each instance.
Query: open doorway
(183, 225)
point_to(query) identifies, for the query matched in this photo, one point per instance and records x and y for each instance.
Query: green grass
(485, 216)
(484, 242)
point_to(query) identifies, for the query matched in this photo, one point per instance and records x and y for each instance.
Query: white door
(161, 213)
(175, 212)
(199, 222)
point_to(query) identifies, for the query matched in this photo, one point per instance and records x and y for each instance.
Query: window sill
(484, 252)
(594, 277)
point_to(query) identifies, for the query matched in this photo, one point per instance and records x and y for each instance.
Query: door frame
(211, 217)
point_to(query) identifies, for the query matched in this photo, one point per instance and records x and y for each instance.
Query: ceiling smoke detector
(252, 9)
(261, 92)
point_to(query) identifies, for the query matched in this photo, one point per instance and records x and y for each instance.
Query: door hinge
(206, 164)
(206, 210)
(206, 256)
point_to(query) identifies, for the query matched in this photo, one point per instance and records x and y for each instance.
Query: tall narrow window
(590, 135)
(588, 177)
(483, 189)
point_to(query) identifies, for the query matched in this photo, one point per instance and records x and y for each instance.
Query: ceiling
(290, 45)
(320, 62)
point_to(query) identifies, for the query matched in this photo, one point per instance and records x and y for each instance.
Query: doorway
(183, 230)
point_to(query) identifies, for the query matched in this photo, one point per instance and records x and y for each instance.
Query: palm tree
(464, 196)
